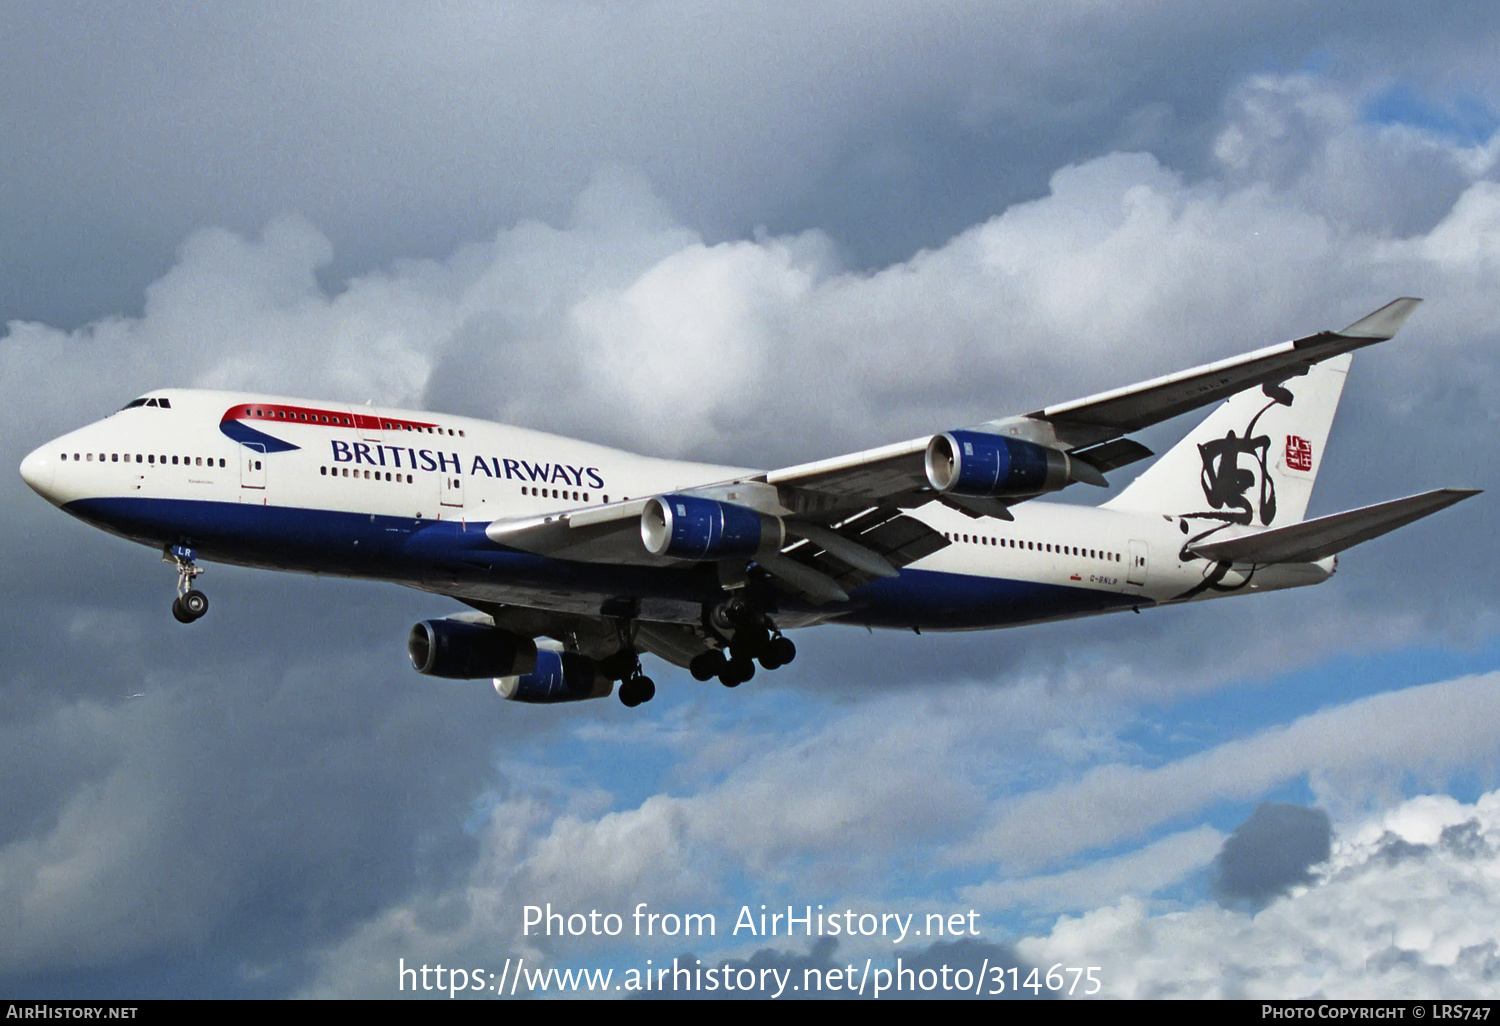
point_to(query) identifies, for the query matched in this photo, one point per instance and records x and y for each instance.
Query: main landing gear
(738, 635)
(635, 686)
(749, 636)
(190, 603)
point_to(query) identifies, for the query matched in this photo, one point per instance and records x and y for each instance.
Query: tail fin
(1253, 461)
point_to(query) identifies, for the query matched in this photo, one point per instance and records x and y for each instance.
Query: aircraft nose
(37, 470)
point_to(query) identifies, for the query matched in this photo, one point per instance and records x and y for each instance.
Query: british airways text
(400, 456)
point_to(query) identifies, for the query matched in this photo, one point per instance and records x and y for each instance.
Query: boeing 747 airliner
(577, 558)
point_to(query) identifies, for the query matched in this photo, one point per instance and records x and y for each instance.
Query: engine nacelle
(994, 467)
(461, 650)
(558, 677)
(687, 527)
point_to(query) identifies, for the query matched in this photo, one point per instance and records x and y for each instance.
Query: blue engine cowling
(687, 527)
(558, 677)
(463, 650)
(991, 466)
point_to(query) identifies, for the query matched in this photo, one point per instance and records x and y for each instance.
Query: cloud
(1270, 852)
(862, 810)
(213, 795)
(1367, 924)
(406, 134)
(1143, 872)
(1296, 136)
(1444, 727)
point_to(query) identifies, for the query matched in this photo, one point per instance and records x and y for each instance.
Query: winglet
(1383, 323)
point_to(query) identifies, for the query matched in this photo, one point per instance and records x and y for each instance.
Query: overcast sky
(753, 234)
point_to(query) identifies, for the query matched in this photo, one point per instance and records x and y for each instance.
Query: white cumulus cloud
(1408, 906)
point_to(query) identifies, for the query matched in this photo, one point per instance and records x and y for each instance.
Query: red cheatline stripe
(312, 415)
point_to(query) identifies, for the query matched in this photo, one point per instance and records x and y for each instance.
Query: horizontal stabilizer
(1313, 540)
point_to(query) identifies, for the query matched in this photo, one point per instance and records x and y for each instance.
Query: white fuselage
(302, 485)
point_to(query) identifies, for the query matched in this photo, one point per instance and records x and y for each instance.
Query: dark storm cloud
(171, 793)
(1270, 852)
(409, 129)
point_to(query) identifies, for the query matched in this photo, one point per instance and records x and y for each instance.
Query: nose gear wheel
(190, 603)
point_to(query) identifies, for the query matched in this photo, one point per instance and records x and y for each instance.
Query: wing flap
(895, 538)
(1313, 540)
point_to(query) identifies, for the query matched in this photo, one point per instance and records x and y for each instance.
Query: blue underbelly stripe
(408, 550)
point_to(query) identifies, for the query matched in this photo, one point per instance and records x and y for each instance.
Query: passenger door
(252, 465)
(1135, 573)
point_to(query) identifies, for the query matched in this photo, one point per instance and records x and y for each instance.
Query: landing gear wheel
(636, 690)
(776, 653)
(707, 665)
(736, 672)
(783, 650)
(189, 606)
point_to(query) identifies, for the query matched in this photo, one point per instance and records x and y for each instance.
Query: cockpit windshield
(159, 402)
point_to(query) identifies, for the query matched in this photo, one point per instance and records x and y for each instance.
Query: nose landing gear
(190, 603)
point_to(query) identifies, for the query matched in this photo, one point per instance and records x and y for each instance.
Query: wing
(819, 559)
(843, 519)
(1091, 429)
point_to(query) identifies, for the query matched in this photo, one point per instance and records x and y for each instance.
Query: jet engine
(686, 527)
(462, 650)
(557, 677)
(982, 465)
